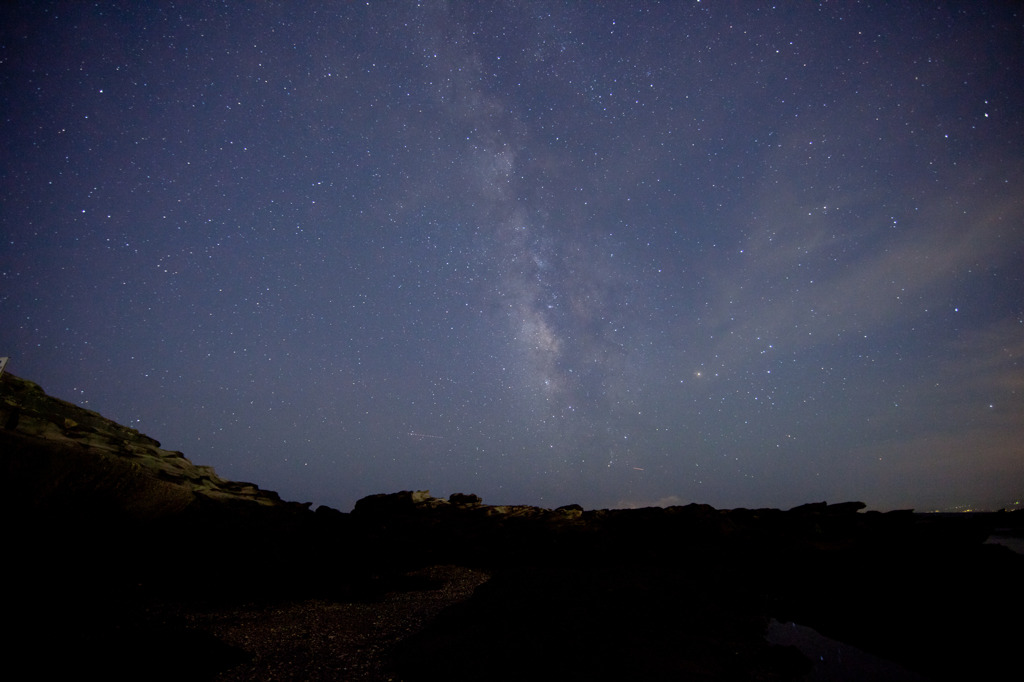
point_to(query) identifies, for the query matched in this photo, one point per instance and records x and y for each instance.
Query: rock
(101, 520)
(810, 508)
(65, 455)
(463, 500)
(572, 511)
(845, 507)
(401, 503)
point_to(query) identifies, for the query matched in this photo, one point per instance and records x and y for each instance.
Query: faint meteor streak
(423, 435)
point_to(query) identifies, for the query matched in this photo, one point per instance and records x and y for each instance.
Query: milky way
(619, 255)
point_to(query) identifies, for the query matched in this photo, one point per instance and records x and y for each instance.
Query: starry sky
(548, 253)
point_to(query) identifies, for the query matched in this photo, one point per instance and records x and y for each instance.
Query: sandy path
(324, 640)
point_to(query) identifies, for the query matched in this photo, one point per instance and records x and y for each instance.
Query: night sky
(547, 253)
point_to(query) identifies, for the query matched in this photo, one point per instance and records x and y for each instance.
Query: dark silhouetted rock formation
(121, 551)
(66, 457)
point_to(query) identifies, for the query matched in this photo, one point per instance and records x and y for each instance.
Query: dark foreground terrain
(125, 561)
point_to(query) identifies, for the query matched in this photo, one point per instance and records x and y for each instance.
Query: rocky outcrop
(101, 524)
(105, 529)
(60, 456)
(687, 592)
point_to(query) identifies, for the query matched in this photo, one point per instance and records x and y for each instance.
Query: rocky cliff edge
(57, 456)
